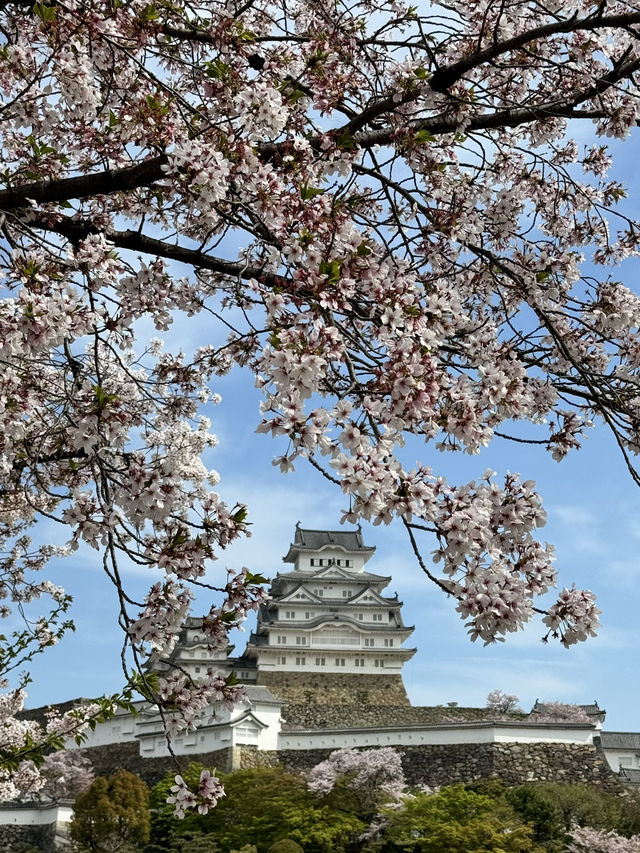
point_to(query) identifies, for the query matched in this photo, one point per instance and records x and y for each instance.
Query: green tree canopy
(457, 820)
(262, 806)
(112, 815)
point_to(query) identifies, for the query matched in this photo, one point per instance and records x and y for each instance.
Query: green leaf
(44, 12)
(423, 136)
(217, 69)
(256, 580)
(346, 140)
(331, 269)
(307, 192)
(149, 13)
(240, 515)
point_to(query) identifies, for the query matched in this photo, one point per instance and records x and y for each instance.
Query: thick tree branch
(445, 77)
(85, 186)
(76, 230)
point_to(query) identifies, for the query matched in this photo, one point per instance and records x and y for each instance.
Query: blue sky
(593, 521)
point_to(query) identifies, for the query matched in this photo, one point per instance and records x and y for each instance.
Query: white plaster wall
(303, 563)
(613, 757)
(119, 729)
(428, 735)
(9, 815)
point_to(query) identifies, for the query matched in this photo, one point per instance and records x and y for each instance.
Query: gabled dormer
(298, 595)
(370, 596)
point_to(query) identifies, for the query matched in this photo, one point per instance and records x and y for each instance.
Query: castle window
(318, 592)
(369, 641)
(348, 563)
(321, 661)
(282, 659)
(378, 662)
(301, 641)
(197, 669)
(345, 593)
(290, 614)
(338, 562)
(282, 639)
(301, 661)
(359, 661)
(361, 616)
(340, 661)
(309, 614)
(377, 617)
(388, 642)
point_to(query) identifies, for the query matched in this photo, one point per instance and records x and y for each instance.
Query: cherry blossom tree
(373, 776)
(502, 703)
(66, 773)
(584, 839)
(551, 712)
(380, 211)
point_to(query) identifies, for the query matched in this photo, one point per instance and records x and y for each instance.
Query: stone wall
(25, 839)
(107, 759)
(437, 765)
(319, 716)
(336, 688)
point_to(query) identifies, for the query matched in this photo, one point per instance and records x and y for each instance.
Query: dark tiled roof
(258, 693)
(314, 540)
(620, 740)
(355, 577)
(591, 709)
(630, 775)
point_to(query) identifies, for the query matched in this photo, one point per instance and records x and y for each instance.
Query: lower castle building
(323, 670)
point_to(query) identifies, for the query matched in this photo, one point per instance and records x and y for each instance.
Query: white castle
(329, 639)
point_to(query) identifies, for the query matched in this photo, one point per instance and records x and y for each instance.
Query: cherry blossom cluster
(186, 700)
(22, 742)
(554, 712)
(374, 775)
(66, 774)
(584, 839)
(376, 210)
(184, 799)
(503, 703)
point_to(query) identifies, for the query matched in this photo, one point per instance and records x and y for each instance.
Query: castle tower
(328, 635)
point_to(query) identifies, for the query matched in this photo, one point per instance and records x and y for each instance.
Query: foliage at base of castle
(454, 820)
(267, 806)
(112, 815)
(554, 809)
(261, 806)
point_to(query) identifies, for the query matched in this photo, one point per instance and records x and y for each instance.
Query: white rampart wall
(416, 735)
(13, 814)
